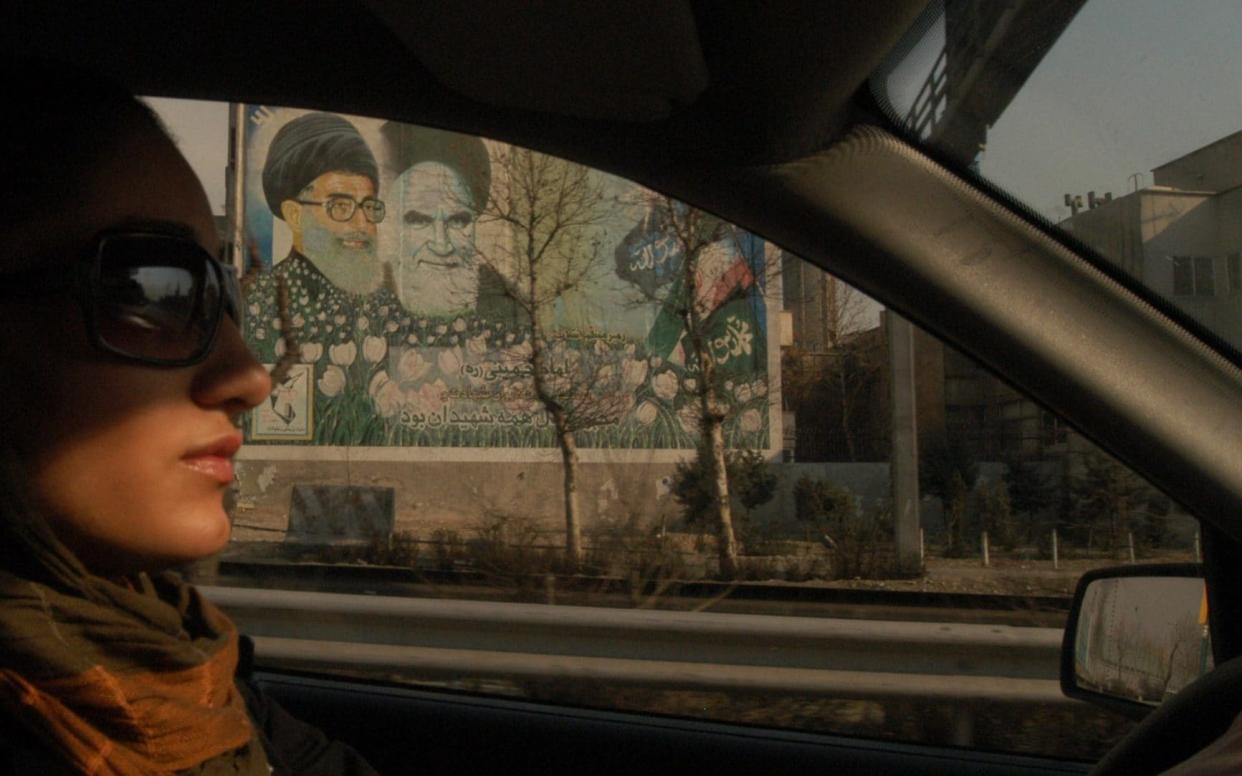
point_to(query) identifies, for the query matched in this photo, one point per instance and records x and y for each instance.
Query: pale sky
(201, 130)
(1130, 85)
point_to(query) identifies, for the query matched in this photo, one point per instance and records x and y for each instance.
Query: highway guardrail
(861, 659)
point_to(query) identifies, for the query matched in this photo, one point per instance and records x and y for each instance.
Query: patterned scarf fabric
(120, 678)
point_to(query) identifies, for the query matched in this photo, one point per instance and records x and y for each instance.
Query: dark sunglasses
(152, 298)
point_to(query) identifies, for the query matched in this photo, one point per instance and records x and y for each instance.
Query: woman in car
(124, 377)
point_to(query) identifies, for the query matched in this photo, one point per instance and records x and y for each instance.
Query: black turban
(308, 147)
(409, 145)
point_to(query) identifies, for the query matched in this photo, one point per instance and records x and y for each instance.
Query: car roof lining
(579, 60)
(753, 85)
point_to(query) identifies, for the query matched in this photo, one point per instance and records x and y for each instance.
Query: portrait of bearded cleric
(383, 285)
(441, 186)
(322, 180)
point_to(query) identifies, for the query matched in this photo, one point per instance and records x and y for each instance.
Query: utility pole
(904, 467)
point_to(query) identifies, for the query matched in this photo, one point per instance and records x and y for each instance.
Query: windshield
(1119, 121)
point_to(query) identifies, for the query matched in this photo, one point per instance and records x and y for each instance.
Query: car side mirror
(1135, 636)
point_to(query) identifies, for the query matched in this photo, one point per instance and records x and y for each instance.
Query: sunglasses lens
(156, 299)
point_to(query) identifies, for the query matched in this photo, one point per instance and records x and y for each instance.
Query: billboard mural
(392, 247)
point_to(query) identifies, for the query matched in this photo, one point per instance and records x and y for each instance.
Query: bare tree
(693, 295)
(850, 368)
(1106, 497)
(553, 213)
(834, 352)
(845, 310)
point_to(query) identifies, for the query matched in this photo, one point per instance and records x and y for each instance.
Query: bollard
(1198, 549)
(549, 588)
(1131, 539)
(1056, 560)
(963, 728)
(922, 547)
(986, 559)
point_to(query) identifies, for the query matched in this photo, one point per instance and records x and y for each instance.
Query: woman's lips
(217, 468)
(215, 459)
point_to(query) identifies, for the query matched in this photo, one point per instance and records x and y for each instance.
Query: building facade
(835, 373)
(1182, 235)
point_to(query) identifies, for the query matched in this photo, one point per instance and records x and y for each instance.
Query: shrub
(449, 548)
(1108, 500)
(995, 515)
(504, 544)
(397, 549)
(864, 549)
(752, 483)
(857, 538)
(647, 560)
(818, 504)
(948, 469)
(1031, 493)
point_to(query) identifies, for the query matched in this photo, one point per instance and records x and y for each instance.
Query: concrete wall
(1112, 229)
(432, 495)
(1215, 167)
(429, 495)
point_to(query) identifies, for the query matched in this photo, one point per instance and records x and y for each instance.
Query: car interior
(763, 114)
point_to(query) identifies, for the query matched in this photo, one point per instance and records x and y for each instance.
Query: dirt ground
(1004, 576)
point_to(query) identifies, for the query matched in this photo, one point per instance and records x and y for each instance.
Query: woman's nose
(231, 377)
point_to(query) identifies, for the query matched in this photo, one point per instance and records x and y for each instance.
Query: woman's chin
(212, 529)
(200, 535)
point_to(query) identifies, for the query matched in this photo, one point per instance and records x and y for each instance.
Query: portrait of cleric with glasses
(322, 180)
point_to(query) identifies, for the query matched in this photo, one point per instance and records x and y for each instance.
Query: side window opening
(413, 448)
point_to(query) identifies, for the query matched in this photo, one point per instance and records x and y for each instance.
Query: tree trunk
(955, 514)
(573, 522)
(711, 431)
(714, 450)
(564, 437)
(845, 410)
(1122, 523)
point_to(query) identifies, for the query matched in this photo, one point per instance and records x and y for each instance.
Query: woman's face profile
(128, 462)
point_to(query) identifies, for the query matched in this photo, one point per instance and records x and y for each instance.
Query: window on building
(1052, 428)
(1205, 282)
(1193, 276)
